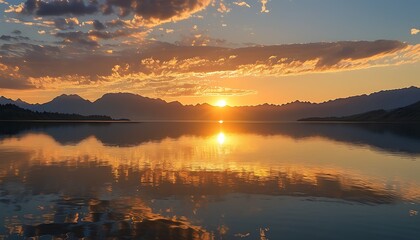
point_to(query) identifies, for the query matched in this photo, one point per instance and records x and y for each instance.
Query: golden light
(221, 138)
(221, 103)
(221, 121)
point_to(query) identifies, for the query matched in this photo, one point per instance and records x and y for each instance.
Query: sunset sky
(194, 51)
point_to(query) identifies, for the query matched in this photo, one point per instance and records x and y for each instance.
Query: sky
(194, 51)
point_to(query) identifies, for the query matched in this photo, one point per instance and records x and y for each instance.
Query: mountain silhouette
(136, 107)
(409, 113)
(399, 138)
(67, 104)
(13, 112)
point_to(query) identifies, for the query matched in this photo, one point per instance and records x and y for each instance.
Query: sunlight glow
(220, 121)
(221, 103)
(221, 138)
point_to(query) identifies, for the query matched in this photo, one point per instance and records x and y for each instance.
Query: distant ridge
(136, 107)
(13, 112)
(409, 113)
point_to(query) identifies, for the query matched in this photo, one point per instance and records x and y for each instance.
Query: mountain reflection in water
(185, 180)
(402, 138)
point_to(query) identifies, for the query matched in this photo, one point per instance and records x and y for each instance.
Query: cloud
(89, 38)
(264, 6)
(163, 10)
(415, 31)
(94, 34)
(200, 39)
(223, 8)
(34, 22)
(242, 4)
(116, 23)
(97, 25)
(10, 78)
(59, 7)
(66, 23)
(15, 8)
(175, 70)
(12, 38)
(78, 37)
(144, 12)
(134, 18)
(198, 89)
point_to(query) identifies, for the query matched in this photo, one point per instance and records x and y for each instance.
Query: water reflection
(103, 219)
(207, 180)
(396, 138)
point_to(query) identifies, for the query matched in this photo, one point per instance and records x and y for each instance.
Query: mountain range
(136, 107)
(409, 113)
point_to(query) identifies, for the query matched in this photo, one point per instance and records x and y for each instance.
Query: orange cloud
(15, 8)
(242, 4)
(11, 78)
(264, 6)
(222, 7)
(174, 70)
(415, 31)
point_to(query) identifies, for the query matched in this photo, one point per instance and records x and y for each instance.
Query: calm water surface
(209, 181)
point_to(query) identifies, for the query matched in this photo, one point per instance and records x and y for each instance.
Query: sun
(221, 138)
(221, 103)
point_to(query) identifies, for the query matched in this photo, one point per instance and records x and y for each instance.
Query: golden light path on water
(143, 179)
(224, 151)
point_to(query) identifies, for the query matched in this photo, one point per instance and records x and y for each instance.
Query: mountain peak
(121, 94)
(73, 96)
(4, 98)
(69, 97)
(125, 96)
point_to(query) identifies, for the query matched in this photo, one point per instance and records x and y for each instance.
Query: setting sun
(221, 103)
(221, 138)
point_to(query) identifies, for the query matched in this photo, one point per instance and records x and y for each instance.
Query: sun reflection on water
(135, 181)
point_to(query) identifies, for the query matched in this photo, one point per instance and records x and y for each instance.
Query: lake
(207, 180)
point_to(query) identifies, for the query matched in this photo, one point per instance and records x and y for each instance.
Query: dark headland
(10, 112)
(410, 113)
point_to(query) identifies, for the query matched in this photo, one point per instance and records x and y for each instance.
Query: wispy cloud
(415, 31)
(10, 78)
(242, 4)
(223, 8)
(173, 70)
(9, 38)
(15, 8)
(264, 6)
(66, 23)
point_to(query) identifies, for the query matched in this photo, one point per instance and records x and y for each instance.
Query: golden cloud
(264, 6)
(174, 70)
(242, 4)
(415, 31)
